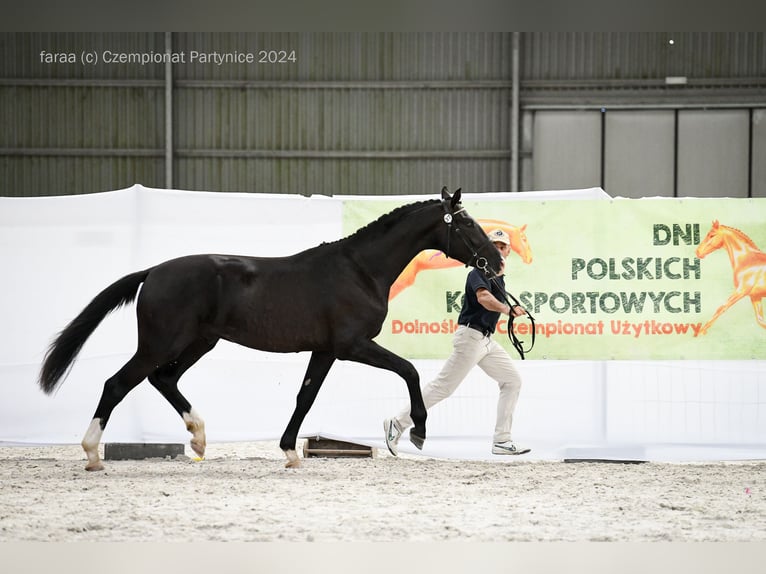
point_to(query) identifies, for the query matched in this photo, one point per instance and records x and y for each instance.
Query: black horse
(186, 305)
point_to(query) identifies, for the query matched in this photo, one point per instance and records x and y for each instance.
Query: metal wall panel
(567, 150)
(620, 56)
(71, 118)
(713, 153)
(356, 120)
(21, 58)
(639, 153)
(110, 137)
(362, 107)
(758, 159)
(364, 56)
(406, 109)
(49, 175)
(74, 128)
(394, 104)
(342, 176)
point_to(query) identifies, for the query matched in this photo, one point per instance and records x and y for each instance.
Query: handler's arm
(490, 302)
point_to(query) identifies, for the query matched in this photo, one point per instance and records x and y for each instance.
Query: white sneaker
(508, 447)
(392, 432)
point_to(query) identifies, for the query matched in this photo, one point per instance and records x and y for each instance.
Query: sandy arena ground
(242, 492)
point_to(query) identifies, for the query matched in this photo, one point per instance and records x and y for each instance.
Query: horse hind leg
(316, 372)
(115, 390)
(165, 380)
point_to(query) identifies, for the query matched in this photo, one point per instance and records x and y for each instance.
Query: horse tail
(65, 348)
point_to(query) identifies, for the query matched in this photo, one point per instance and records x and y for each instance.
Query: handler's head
(499, 236)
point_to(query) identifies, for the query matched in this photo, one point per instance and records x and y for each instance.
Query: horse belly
(275, 320)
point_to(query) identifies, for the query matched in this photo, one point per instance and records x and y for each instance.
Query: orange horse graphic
(748, 263)
(433, 259)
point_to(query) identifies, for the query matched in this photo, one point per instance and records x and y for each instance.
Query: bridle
(482, 264)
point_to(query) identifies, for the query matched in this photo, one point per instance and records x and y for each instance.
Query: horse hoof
(292, 459)
(94, 466)
(417, 440)
(198, 448)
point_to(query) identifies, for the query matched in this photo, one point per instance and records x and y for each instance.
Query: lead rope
(517, 344)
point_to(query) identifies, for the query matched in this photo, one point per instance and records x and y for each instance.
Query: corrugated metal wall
(70, 128)
(641, 56)
(644, 114)
(372, 113)
(378, 139)
(356, 113)
(355, 57)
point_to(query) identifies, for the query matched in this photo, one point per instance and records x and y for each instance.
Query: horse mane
(742, 235)
(387, 220)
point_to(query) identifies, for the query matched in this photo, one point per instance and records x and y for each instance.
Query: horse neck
(384, 255)
(737, 245)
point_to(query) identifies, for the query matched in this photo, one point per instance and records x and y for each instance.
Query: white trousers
(471, 348)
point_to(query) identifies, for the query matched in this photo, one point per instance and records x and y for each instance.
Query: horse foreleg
(370, 353)
(319, 366)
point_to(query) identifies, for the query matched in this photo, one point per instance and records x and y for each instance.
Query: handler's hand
(518, 311)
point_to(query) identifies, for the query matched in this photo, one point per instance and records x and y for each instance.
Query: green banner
(604, 279)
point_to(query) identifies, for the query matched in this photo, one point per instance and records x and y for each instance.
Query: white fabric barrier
(57, 253)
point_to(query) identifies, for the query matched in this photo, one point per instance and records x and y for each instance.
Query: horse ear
(456, 197)
(715, 224)
(445, 194)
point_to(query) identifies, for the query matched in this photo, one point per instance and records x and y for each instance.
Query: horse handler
(473, 345)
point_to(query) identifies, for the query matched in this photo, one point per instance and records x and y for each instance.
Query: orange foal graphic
(748, 263)
(433, 259)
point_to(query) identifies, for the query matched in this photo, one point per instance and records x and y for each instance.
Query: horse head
(520, 243)
(465, 240)
(713, 240)
(518, 235)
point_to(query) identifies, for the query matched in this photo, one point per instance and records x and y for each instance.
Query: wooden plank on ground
(324, 447)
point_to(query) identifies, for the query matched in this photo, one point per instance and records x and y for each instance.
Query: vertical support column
(168, 111)
(515, 113)
(750, 168)
(526, 146)
(602, 176)
(675, 153)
